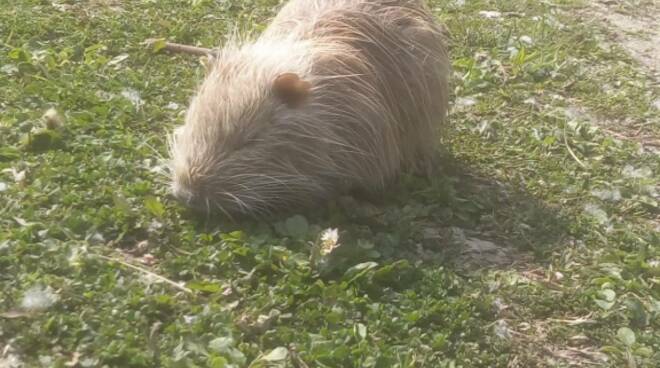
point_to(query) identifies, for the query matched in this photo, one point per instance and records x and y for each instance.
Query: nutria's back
(335, 95)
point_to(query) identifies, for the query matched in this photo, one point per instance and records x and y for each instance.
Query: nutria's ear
(291, 90)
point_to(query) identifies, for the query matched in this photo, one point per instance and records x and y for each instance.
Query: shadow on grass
(459, 218)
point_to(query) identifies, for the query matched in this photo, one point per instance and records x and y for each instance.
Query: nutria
(334, 96)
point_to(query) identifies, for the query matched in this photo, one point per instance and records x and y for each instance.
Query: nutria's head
(235, 151)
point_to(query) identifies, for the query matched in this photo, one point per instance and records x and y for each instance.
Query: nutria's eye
(291, 90)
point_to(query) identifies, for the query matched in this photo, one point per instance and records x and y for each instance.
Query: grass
(563, 209)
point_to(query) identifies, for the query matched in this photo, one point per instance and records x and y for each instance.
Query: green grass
(572, 209)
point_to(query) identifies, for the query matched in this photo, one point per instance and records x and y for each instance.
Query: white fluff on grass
(596, 212)
(38, 298)
(133, 96)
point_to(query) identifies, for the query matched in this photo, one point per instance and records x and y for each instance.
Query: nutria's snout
(183, 194)
(189, 192)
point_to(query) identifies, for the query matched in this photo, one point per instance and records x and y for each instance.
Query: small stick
(570, 151)
(136, 268)
(182, 49)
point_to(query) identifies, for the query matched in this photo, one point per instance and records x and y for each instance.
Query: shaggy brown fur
(335, 95)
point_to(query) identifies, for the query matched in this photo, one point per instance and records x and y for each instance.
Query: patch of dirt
(623, 130)
(633, 25)
(635, 28)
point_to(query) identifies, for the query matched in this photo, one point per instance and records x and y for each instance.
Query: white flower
(329, 241)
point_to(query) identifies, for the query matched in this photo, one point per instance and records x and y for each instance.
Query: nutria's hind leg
(436, 164)
(429, 165)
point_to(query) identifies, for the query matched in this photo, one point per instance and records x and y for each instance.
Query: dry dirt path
(635, 25)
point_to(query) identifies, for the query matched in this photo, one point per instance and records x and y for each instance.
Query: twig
(570, 151)
(296, 359)
(182, 49)
(576, 321)
(147, 272)
(152, 342)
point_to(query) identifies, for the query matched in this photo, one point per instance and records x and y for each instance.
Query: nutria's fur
(335, 95)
